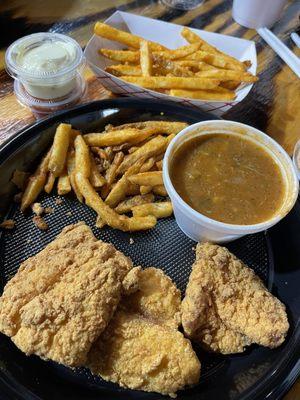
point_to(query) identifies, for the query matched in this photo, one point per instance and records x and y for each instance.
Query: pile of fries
(197, 70)
(116, 172)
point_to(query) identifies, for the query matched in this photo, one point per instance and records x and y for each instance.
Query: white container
(257, 13)
(168, 35)
(201, 228)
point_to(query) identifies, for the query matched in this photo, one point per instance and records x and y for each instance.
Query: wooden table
(272, 105)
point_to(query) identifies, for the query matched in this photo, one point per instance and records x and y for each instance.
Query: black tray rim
(287, 371)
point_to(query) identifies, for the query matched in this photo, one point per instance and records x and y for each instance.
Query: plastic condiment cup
(202, 228)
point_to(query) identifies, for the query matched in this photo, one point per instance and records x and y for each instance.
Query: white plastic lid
(27, 43)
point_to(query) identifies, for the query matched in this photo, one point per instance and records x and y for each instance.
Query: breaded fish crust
(141, 347)
(156, 298)
(139, 354)
(61, 299)
(227, 307)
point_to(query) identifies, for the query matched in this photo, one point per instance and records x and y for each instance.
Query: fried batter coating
(139, 354)
(157, 298)
(227, 307)
(62, 299)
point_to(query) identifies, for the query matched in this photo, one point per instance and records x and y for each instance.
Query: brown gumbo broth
(228, 178)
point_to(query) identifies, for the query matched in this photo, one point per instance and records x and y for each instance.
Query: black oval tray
(255, 374)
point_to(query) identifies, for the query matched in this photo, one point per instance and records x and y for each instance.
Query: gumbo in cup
(227, 179)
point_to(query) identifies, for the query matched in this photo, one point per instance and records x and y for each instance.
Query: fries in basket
(196, 70)
(118, 172)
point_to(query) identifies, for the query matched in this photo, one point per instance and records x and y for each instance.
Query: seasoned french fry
(63, 183)
(99, 152)
(108, 32)
(107, 214)
(132, 190)
(110, 175)
(109, 152)
(73, 134)
(160, 190)
(82, 157)
(175, 69)
(50, 183)
(117, 137)
(159, 165)
(133, 149)
(126, 205)
(230, 85)
(149, 149)
(71, 173)
(59, 149)
(121, 147)
(119, 70)
(172, 82)
(150, 178)
(204, 94)
(99, 222)
(169, 138)
(145, 58)
(159, 210)
(192, 37)
(228, 75)
(145, 189)
(180, 52)
(119, 191)
(160, 127)
(125, 56)
(148, 164)
(36, 183)
(197, 65)
(96, 179)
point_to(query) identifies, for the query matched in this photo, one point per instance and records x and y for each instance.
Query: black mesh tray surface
(252, 375)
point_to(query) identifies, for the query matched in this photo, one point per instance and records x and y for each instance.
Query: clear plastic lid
(17, 52)
(296, 158)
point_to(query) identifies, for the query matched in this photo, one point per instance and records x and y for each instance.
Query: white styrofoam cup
(201, 228)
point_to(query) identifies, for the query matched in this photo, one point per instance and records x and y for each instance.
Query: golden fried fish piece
(62, 299)
(227, 307)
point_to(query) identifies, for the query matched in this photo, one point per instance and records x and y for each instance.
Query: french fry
(169, 138)
(175, 69)
(160, 191)
(159, 164)
(228, 75)
(59, 149)
(112, 138)
(119, 191)
(159, 210)
(160, 127)
(204, 94)
(96, 179)
(145, 189)
(108, 32)
(172, 82)
(197, 65)
(50, 183)
(99, 222)
(71, 173)
(63, 183)
(109, 152)
(123, 56)
(148, 164)
(73, 134)
(119, 70)
(149, 149)
(150, 178)
(121, 147)
(192, 37)
(145, 58)
(132, 190)
(133, 149)
(107, 214)
(230, 85)
(99, 152)
(35, 183)
(180, 52)
(126, 205)
(82, 157)
(110, 175)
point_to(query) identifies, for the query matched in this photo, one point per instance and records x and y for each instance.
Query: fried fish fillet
(141, 348)
(156, 298)
(227, 307)
(62, 299)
